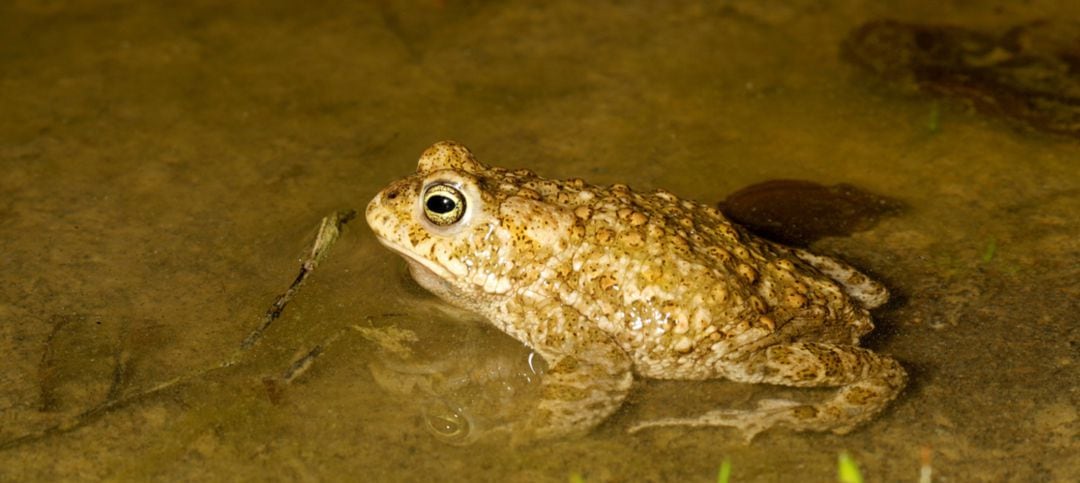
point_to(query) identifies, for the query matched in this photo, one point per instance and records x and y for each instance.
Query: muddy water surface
(163, 169)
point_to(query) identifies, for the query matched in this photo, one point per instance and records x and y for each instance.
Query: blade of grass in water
(847, 471)
(933, 121)
(991, 249)
(725, 471)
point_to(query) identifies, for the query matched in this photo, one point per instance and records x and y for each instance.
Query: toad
(608, 285)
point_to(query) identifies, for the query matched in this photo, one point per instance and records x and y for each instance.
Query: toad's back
(684, 290)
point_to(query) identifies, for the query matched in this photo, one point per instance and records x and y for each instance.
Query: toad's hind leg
(867, 381)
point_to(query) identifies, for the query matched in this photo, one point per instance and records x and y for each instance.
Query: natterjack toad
(606, 283)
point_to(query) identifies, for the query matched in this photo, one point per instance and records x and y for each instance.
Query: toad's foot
(867, 381)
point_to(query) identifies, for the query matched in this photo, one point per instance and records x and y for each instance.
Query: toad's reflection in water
(466, 388)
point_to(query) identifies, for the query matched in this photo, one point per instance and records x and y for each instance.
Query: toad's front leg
(867, 381)
(577, 395)
(588, 377)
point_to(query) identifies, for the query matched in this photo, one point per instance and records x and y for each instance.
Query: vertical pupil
(440, 204)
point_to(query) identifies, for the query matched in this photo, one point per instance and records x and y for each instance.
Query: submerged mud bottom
(1030, 74)
(117, 398)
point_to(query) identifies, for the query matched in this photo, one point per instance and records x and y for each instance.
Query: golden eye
(443, 204)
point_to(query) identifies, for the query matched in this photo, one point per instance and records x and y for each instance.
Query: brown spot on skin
(768, 322)
(563, 197)
(583, 212)
(653, 231)
(759, 305)
(728, 232)
(686, 223)
(632, 238)
(747, 272)
(856, 278)
(859, 396)
(529, 194)
(547, 186)
(719, 253)
(680, 242)
(563, 270)
(831, 363)
(638, 219)
(577, 231)
(784, 277)
(785, 265)
(604, 236)
(795, 300)
(780, 354)
(719, 293)
(742, 253)
(607, 281)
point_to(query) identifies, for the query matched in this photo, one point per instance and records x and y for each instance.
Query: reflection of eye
(443, 204)
(448, 422)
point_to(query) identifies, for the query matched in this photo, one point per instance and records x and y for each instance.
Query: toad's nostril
(391, 195)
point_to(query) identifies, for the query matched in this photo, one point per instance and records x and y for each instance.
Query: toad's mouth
(426, 268)
(428, 274)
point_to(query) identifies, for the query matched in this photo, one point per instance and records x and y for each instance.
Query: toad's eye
(443, 204)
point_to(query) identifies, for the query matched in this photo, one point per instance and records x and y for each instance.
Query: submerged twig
(329, 231)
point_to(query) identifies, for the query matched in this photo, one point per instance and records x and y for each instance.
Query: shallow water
(164, 169)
